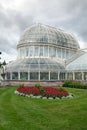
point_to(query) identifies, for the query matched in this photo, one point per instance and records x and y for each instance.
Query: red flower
(48, 91)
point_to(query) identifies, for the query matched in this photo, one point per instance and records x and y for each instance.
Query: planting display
(48, 92)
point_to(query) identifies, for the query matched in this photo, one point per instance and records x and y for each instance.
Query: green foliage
(58, 85)
(3, 75)
(75, 84)
(21, 85)
(39, 87)
(61, 89)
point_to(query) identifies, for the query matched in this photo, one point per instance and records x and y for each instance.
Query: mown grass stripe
(19, 113)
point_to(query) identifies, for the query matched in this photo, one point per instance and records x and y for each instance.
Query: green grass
(22, 113)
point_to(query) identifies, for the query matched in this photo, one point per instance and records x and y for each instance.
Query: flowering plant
(47, 91)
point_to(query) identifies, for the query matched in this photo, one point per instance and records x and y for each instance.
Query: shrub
(39, 87)
(75, 84)
(21, 85)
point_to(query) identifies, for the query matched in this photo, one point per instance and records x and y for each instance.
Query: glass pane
(69, 76)
(41, 51)
(85, 75)
(34, 75)
(8, 75)
(31, 51)
(24, 75)
(63, 53)
(62, 76)
(44, 75)
(59, 52)
(27, 52)
(54, 52)
(15, 75)
(53, 75)
(50, 51)
(45, 51)
(78, 75)
(67, 53)
(36, 51)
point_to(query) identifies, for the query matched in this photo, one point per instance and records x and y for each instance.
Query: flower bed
(42, 92)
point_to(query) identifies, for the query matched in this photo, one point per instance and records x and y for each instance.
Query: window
(44, 75)
(15, 75)
(46, 51)
(27, 52)
(8, 75)
(36, 51)
(24, 75)
(50, 52)
(34, 75)
(31, 51)
(53, 75)
(41, 51)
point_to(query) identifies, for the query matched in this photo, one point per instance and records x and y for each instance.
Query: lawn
(22, 113)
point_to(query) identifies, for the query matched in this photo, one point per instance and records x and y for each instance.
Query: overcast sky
(17, 15)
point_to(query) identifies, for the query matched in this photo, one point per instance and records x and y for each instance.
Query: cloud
(17, 15)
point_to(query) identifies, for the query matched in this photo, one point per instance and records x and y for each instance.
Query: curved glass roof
(43, 34)
(34, 64)
(78, 64)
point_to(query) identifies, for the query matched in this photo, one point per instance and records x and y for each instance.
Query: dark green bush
(39, 87)
(75, 84)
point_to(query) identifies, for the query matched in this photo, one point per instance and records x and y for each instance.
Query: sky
(17, 15)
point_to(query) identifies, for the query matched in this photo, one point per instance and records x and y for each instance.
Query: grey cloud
(6, 46)
(70, 15)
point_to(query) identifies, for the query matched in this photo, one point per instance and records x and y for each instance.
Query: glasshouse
(47, 53)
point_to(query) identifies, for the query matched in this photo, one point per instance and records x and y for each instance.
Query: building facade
(47, 53)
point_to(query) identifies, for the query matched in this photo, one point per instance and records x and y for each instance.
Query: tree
(2, 66)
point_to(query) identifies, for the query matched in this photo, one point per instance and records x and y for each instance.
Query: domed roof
(79, 63)
(43, 34)
(34, 64)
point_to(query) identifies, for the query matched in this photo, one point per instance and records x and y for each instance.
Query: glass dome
(79, 63)
(34, 64)
(43, 34)
(42, 52)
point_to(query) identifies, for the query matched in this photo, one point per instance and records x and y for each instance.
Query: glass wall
(15, 75)
(85, 75)
(44, 51)
(31, 49)
(70, 76)
(62, 75)
(59, 52)
(53, 75)
(24, 75)
(8, 75)
(44, 76)
(36, 50)
(78, 76)
(34, 75)
(27, 52)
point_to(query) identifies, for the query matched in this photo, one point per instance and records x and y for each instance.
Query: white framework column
(48, 51)
(58, 75)
(73, 75)
(11, 75)
(39, 76)
(66, 76)
(18, 75)
(28, 75)
(82, 75)
(49, 75)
